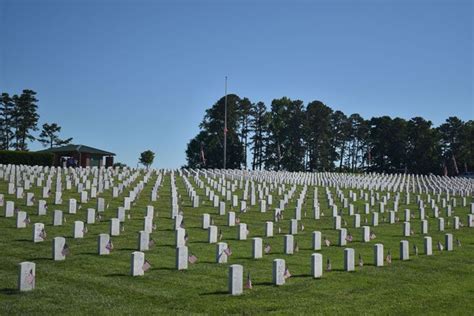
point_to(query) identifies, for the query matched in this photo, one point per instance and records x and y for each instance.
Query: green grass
(90, 284)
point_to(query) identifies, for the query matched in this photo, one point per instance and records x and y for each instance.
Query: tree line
(19, 119)
(293, 136)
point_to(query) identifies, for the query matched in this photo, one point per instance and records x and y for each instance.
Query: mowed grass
(87, 283)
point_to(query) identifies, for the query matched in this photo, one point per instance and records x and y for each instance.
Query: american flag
(302, 227)
(85, 229)
(458, 242)
(186, 237)
(65, 250)
(296, 247)
(328, 265)
(30, 277)
(123, 227)
(279, 229)
(42, 234)
(349, 238)
(182, 224)
(327, 242)
(389, 258)
(361, 262)
(287, 273)
(98, 217)
(372, 235)
(415, 249)
(27, 220)
(440, 246)
(151, 243)
(146, 266)
(237, 220)
(110, 245)
(412, 232)
(220, 234)
(248, 285)
(267, 248)
(192, 259)
(154, 226)
(228, 251)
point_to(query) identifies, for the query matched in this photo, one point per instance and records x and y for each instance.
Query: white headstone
(378, 255)
(317, 265)
(27, 276)
(278, 271)
(404, 250)
(236, 273)
(181, 258)
(349, 259)
(137, 262)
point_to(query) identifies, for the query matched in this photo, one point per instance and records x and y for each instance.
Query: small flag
(302, 227)
(85, 230)
(151, 243)
(412, 232)
(440, 246)
(267, 248)
(327, 242)
(361, 262)
(65, 250)
(30, 277)
(154, 226)
(146, 266)
(228, 251)
(349, 238)
(186, 237)
(389, 258)
(415, 250)
(287, 273)
(192, 259)
(296, 247)
(110, 245)
(237, 220)
(458, 242)
(27, 220)
(42, 234)
(182, 224)
(372, 235)
(248, 284)
(220, 234)
(123, 227)
(328, 265)
(279, 230)
(98, 217)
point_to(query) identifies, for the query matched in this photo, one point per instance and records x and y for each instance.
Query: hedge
(26, 158)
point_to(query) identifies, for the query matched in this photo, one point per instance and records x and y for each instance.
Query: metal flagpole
(225, 124)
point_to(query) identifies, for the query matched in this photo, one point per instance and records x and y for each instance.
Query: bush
(26, 158)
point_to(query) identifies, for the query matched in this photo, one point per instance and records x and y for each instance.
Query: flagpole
(225, 123)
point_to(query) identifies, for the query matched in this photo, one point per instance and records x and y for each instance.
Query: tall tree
(424, 150)
(245, 108)
(146, 158)
(6, 121)
(259, 127)
(25, 118)
(49, 136)
(450, 135)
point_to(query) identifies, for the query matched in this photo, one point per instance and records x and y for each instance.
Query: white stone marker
(268, 229)
(236, 279)
(316, 240)
(257, 248)
(375, 219)
(27, 276)
(148, 224)
(114, 227)
(104, 243)
(206, 218)
(356, 221)
(180, 237)
(72, 206)
(90, 216)
(406, 229)
(278, 271)
(39, 233)
(378, 255)
(222, 208)
(404, 250)
(349, 259)
(221, 255)
(424, 226)
(317, 265)
(9, 208)
(293, 226)
(178, 220)
(456, 222)
(57, 218)
(407, 215)
(448, 242)
(242, 232)
(59, 251)
(137, 262)
(263, 206)
(78, 229)
(391, 217)
(365, 233)
(182, 258)
(342, 237)
(289, 244)
(41, 207)
(150, 211)
(337, 222)
(143, 241)
(440, 224)
(212, 234)
(21, 219)
(84, 197)
(196, 201)
(100, 205)
(428, 245)
(231, 219)
(121, 214)
(30, 197)
(470, 220)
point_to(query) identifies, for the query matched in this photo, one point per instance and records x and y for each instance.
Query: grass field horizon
(86, 283)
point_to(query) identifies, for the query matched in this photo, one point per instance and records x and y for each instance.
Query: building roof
(79, 149)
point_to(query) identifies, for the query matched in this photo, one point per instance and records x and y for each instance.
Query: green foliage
(25, 118)
(146, 158)
(6, 121)
(119, 164)
(49, 137)
(26, 158)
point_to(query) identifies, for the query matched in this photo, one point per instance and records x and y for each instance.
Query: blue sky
(127, 76)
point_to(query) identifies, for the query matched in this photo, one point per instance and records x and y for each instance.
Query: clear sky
(127, 76)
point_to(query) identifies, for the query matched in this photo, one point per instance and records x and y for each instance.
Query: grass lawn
(86, 283)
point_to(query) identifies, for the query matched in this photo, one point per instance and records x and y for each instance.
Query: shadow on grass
(23, 240)
(39, 259)
(216, 293)
(301, 275)
(116, 275)
(8, 291)
(264, 283)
